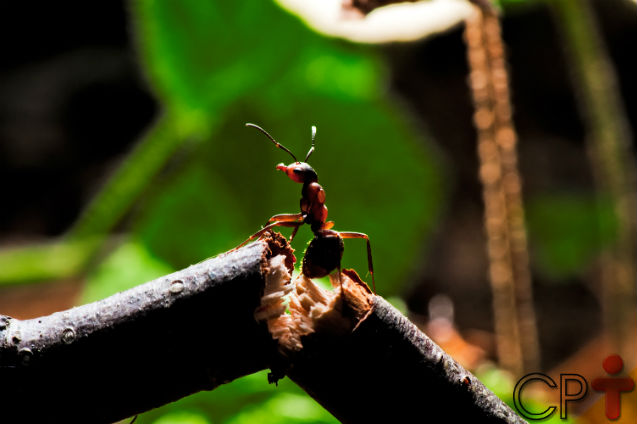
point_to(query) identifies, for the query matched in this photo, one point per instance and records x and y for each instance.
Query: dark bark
(185, 332)
(387, 370)
(195, 329)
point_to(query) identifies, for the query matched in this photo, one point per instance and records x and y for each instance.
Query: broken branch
(224, 318)
(153, 344)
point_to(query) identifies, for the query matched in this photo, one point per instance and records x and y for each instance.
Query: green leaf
(192, 217)
(567, 231)
(285, 408)
(183, 417)
(251, 394)
(201, 56)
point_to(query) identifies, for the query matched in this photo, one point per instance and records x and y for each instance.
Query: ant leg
(293, 233)
(286, 217)
(268, 228)
(351, 235)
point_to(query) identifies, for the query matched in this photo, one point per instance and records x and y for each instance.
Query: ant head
(300, 172)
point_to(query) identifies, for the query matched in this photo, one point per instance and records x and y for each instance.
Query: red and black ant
(325, 251)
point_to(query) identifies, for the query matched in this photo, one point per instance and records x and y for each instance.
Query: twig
(197, 328)
(185, 332)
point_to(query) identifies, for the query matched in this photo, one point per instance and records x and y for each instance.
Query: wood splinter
(362, 360)
(310, 307)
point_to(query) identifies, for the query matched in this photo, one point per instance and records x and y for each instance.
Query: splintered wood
(310, 308)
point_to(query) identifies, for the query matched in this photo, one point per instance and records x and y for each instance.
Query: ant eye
(296, 170)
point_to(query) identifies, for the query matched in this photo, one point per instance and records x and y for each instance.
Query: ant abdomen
(322, 256)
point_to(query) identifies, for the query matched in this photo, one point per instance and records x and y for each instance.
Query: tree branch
(196, 329)
(185, 332)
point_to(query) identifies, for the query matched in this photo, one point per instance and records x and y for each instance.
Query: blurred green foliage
(247, 400)
(46, 261)
(567, 232)
(214, 66)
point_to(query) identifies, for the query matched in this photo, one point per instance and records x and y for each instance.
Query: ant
(325, 251)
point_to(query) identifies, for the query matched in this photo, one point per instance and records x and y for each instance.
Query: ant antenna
(311, 148)
(276, 143)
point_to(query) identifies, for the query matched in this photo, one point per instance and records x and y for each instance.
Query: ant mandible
(325, 251)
